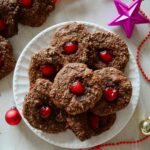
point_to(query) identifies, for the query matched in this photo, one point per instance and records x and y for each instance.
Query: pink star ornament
(128, 16)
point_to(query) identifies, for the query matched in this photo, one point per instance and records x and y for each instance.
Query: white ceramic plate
(67, 139)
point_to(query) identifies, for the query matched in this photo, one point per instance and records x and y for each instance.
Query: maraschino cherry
(105, 56)
(1, 61)
(103, 121)
(45, 111)
(94, 121)
(70, 47)
(56, 1)
(77, 88)
(26, 3)
(47, 70)
(110, 94)
(2, 24)
(12, 116)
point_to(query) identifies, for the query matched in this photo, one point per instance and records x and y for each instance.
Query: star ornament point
(128, 16)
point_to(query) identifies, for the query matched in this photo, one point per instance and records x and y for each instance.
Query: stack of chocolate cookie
(7, 59)
(78, 83)
(28, 12)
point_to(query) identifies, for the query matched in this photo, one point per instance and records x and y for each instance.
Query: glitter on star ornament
(128, 16)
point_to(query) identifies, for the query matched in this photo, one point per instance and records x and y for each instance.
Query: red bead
(47, 70)
(94, 121)
(45, 112)
(70, 47)
(110, 94)
(138, 58)
(26, 3)
(77, 87)
(105, 56)
(2, 24)
(12, 116)
(125, 142)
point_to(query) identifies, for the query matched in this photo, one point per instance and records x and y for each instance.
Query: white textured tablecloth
(97, 11)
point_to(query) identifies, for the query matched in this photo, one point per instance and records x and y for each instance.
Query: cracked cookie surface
(86, 125)
(107, 50)
(117, 92)
(8, 18)
(70, 41)
(40, 111)
(7, 59)
(76, 88)
(44, 64)
(35, 13)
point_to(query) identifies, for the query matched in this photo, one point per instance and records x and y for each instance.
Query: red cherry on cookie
(94, 121)
(45, 111)
(1, 61)
(70, 47)
(110, 94)
(56, 1)
(2, 24)
(26, 3)
(77, 87)
(12, 116)
(47, 70)
(103, 121)
(105, 56)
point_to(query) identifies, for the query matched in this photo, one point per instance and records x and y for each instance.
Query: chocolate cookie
(70, 41)
(8, 18)
(88, 124)
(107, 50)
(35, 12)
(7, 60)
(44, 64)
(117, 91)
(40, 111)
(76, 88)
